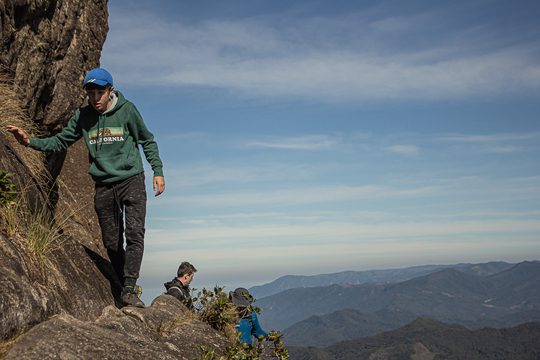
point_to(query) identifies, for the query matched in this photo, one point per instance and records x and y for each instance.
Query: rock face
(46, 46)
(165, 330)
(73, 279)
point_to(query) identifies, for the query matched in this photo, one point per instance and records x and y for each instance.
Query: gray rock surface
(165, 330)
(48, 45)
(45, 48)
(74, 279)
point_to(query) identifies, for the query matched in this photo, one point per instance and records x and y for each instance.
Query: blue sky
(308, 137)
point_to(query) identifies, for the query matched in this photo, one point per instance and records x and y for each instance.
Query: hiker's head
(241, 297)
(185, 273)
(98, 84)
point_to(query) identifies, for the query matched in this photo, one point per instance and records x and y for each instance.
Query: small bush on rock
(215, 308)
(8, 193)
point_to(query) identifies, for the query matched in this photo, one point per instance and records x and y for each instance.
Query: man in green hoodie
(112, 129)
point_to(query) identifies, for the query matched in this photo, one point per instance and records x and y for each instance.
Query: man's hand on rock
(21, 135)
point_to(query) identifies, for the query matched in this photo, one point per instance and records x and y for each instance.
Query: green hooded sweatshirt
(112, 138)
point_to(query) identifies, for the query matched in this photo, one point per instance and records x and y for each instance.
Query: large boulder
(165, 330)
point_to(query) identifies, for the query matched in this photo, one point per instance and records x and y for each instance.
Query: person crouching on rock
(179, 286)
(248, 325)
(113, 130)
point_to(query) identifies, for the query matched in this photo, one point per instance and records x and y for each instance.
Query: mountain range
(370, 276)
(506, 298)
(426, 339)
(346, 324)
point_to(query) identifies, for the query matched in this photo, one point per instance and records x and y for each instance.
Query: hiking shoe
(130, 296)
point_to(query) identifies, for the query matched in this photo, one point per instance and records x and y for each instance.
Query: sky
(308, 137)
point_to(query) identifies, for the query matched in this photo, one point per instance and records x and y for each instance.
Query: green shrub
(215, 309)
(8, 193)
(218, 311)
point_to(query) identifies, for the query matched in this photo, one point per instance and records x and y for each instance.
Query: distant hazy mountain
(430, 339)
(341, 325)
(504, 299)
(372, 276)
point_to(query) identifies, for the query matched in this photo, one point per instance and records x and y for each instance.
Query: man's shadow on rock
(107, 270)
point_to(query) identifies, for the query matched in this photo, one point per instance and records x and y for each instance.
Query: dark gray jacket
(178, 290)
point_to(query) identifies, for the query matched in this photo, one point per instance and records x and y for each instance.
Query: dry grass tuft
(41, 231)
(13, 113)
(6, 345)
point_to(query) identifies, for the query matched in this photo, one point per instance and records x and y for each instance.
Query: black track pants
(114, 204)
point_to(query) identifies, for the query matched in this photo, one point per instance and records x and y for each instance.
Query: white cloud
(489, 138)
(504, 149)
(407, 150)
(360, 217)
(256, 58)
(199, 174)
(188, 136)
(306, 142)
(503, 143)
(304, 195)
(339, 235)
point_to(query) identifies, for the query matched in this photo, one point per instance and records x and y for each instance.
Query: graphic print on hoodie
(112, 139)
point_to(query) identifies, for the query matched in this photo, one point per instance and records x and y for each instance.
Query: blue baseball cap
(99, 77)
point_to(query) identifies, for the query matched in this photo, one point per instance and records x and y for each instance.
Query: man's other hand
(159, 185)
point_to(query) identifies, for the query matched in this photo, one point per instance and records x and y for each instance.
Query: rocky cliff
(46, 46)
(56, 284)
